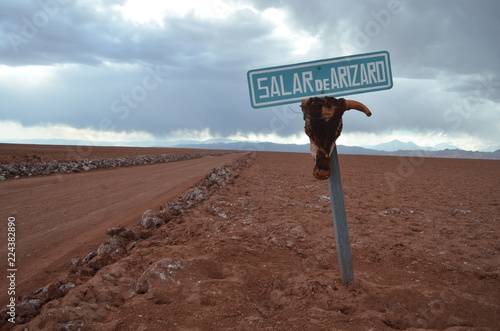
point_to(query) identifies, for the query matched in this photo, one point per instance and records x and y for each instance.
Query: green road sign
(329, 77)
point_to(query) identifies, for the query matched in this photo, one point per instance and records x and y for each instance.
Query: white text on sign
(330, 77)
(340, 77)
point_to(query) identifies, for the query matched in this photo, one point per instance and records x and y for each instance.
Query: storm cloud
(100, 65)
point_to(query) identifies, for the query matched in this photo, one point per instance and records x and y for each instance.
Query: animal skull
(323, 125)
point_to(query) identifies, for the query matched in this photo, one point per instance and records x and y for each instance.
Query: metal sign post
(340, 220)
(340, 76)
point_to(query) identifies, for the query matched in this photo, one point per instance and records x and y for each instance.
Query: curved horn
(351, 104)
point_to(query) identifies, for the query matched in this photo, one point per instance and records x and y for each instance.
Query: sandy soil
(260, 254)
(64, 216)
(15, 153)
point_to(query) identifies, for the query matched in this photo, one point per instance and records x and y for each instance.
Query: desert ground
(250, 244)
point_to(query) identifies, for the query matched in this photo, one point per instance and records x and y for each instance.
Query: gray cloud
(444, 59)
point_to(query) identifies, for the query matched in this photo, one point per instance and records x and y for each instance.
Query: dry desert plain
(258, 252)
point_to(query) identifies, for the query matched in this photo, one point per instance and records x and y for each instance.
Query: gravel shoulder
(62, 217)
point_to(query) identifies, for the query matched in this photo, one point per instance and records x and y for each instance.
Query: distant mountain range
(392, 148)
(397, 145)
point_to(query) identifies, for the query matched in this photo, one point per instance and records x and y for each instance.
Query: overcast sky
(142, 70)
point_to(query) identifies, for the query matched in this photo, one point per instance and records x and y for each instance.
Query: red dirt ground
(64, 215)
(14, 153)
(260, 254)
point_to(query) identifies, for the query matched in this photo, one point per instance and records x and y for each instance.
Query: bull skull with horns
(323, 117)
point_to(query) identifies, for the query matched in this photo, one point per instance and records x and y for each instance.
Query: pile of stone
(121, 240)
(17, 170)
(215, 180)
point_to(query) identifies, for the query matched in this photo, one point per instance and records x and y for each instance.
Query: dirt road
(259, 254)
(63, 217)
